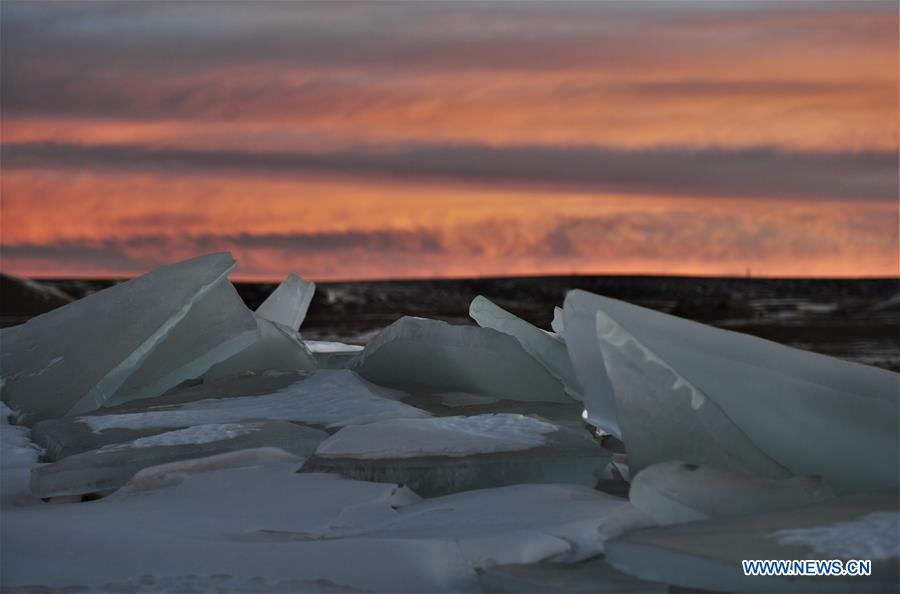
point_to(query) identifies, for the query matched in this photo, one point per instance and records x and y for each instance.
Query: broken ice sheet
(110, 467)
(289, 302)
(707, 555)
(442, 436)
(675, 492)
(704, 395)
(217, 327)
(514, 524)
(73, 359)
(543, 346)
(277, 348)
(436, 456)
(416, 353)
(63, 437)
(218, 527)
(329, 398)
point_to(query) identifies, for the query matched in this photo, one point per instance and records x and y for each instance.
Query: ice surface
(452, 454)
(332, 398)
(266, 528)
(675, 492)
(217, 327)
(277, 348)
(547, 350)
(579, 320)
(111, 467)
(707, 555)
(514, 524)
(289, 302)
(72, 359)
(593, 576)
(415, 353)
(704, 395)
(437, 436)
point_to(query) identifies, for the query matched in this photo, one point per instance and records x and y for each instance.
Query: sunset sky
(373, 140)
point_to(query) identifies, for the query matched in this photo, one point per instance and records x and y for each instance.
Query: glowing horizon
(396, 140)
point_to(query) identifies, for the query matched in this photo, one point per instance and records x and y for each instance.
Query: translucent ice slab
(450, 454)
(110, 467)
(73, 359)
(675, 492)
(707, 555)
(277, 348)
(739, 403)
(579, 321)
(431, 354)
(546, 348)
(216, 328)
(288, 303)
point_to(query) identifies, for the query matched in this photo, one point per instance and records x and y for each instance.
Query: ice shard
(277, 348)
(217, 327)
(676, 492)
(543, 346)
(708, 555)
(559, 323)
(579, 322)
(436, 456)
(691, 392)
(332, 355)
(110, 467)
(417, 353)
(289, 302)
(73, 359)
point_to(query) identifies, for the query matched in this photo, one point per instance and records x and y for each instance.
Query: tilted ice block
(217, 327)
(289, 302)
(112, 466)
(433, 355)
(579, 315)
(72, 359)
(675, 492)
(278, 348)
(435, 456)
(546, 349)
(695, 393)
(708, 555)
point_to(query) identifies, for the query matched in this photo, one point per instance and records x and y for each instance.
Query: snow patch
(192, 435)
(875, 536)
